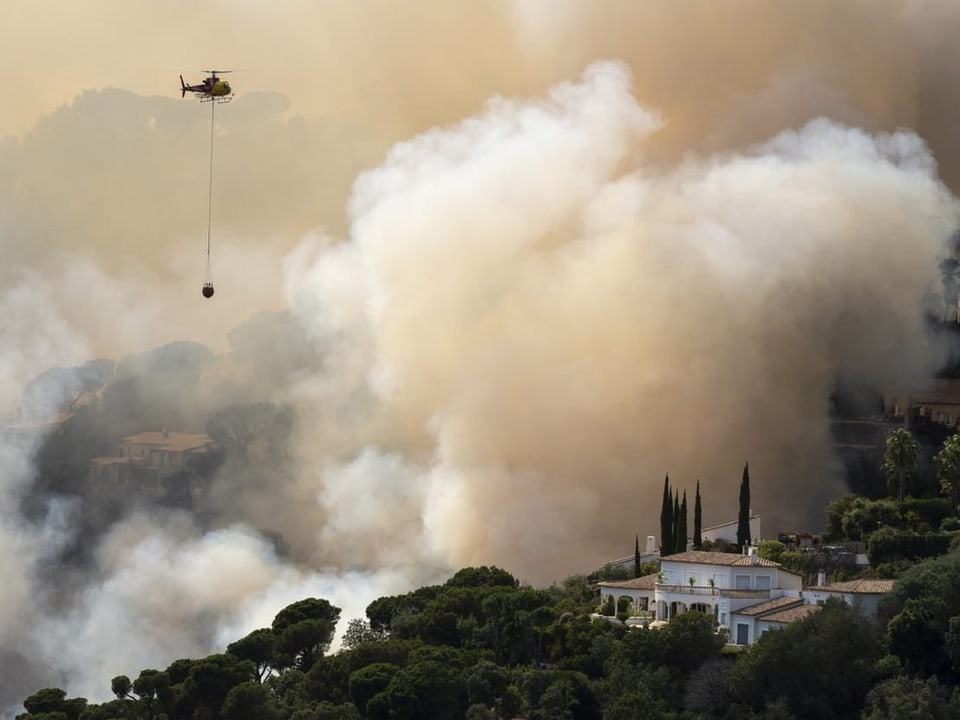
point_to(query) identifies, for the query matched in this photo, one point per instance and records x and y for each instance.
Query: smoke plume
(549, 324)
(532, 257)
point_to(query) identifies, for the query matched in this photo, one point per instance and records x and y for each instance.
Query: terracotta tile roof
(868, 587)
(110, 460)
(171, 441)
(641, 583)
(719, 558)
(792, 614)
(769, 606)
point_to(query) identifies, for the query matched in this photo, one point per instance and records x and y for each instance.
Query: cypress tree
(743, 518)
(676, 523)
(681, 544)
(666, 521)
(636, 558)
(697, 521)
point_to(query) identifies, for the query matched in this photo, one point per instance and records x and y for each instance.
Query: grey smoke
(555, 282)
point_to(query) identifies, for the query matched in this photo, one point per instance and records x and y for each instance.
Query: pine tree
(636, 558)
(676, 523)
(743, 518)
(697, 521)
(681, 544)
(666, 521)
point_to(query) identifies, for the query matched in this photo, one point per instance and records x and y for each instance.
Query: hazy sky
(551, 250)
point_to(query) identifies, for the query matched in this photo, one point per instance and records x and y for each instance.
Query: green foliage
(482, 577)
(707, 689)
(667, 537)
(610, 573)
(358, 632)
(854, 517)
(919, 611)
(261, 647)
(821, 667)
(914, 698)
(697, 520)
(426, 689)
(682, 646)
(326, 710)
(305, 630)
(947, 463)
(680, 544)
(486, 683)
(483, 647)
(900, 461)
(52, 702)
(743, 514)
(208, 682)
(636, 557)
(771, 550)
(370, 680)
(556, 694)
(888, 545)
(121, 686)
(575, 594)
(929, 511)
(250, 701)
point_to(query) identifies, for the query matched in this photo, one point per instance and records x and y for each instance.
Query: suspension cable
(210, 191)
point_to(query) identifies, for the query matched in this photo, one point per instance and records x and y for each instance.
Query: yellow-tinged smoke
(596, 242)
(549, 323)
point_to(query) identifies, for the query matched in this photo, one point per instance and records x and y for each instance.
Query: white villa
(745, 593)
(728, 531)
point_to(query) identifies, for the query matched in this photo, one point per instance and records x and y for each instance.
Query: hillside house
(937, 402)
(865, 594)
(149, 456)
(650, 553)
(749, 623)
(167, 452)
(727, 532)
(746, 594)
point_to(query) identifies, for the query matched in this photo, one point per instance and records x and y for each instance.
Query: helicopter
(212, 89)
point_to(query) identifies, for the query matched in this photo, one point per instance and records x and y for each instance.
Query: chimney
(165, 433)
(754, 557)
(651, 544)
(821, 579)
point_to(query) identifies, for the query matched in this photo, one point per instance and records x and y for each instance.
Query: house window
(743, 633)
(763, 582)
(742, 582)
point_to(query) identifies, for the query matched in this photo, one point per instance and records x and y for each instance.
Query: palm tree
(900, 460)
(947, 462)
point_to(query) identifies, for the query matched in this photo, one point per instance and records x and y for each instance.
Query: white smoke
(549, 324)
(530, 322)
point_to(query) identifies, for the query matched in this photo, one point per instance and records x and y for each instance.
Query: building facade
(746, 594)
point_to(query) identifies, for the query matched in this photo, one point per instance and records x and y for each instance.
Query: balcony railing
(722, 592)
